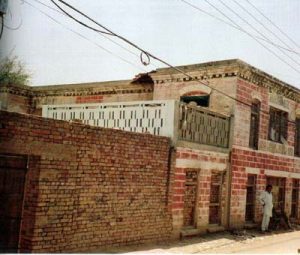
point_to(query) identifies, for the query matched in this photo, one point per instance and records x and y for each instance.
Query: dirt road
(225, 242)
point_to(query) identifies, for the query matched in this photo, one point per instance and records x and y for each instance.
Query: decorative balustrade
(166, 118)
(137, 116)
(199, 125)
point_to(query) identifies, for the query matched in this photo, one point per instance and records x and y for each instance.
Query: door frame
(26, 158)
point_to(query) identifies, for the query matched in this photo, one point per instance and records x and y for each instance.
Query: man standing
(266, 200)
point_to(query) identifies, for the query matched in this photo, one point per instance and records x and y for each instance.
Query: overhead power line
(101, 34)
(150, 55)
(84, 37)
(273, 23)
(268, 49)
(238, 27)
(78, 21)
(262, 24)
(255, 29)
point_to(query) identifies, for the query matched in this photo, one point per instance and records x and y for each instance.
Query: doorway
(12, 181)
(250, 198)
(278, 192)
(190, 198)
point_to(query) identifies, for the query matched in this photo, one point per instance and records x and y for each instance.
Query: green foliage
(12, 72)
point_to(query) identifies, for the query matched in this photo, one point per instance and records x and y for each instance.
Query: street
(249, 241)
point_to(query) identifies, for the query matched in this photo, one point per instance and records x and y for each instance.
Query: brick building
(223, 152)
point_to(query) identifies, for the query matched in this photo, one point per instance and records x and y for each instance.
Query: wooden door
(12, 180)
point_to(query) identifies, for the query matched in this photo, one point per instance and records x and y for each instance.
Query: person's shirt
(266, 199)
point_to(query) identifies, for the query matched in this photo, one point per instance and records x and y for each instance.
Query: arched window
(198, 97)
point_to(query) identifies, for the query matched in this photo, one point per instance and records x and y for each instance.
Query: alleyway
(225, 242)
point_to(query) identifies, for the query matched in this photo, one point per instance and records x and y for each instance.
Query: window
(278, 125)
(297, 138)
(254, 126)
(202, 100)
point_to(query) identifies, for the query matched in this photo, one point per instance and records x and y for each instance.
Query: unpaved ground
(225, 242)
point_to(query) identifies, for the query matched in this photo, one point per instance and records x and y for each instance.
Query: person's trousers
(265, 222)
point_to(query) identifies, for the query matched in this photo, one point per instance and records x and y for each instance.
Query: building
(225, 149)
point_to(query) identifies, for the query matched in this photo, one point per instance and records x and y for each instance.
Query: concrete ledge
(250, 225)
(190, 232)
(204, 147)
(215, 228)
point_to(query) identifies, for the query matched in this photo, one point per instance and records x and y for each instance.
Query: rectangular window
(250, 198)
(297, 138)
(278, 125)
(254, 126)
(215, 198)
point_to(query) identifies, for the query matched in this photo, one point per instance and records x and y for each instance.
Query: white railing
(154, 117)
(165, 117)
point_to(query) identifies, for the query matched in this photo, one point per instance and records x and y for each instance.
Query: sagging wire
(144, 61)
(2, 26)
(149, 55)
(107, 31)
(78, 21)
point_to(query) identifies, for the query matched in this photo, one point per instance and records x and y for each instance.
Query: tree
(12, 71)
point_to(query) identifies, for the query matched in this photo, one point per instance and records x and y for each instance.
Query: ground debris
(242, 234)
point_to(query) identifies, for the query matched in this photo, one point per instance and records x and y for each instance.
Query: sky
(169, 29)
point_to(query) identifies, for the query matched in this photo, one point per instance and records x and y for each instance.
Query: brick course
(88, 188)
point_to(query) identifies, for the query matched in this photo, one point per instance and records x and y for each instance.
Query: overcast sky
(169, 29)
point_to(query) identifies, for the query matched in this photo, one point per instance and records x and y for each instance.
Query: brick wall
(205, 162)
(217, 102)
(245, 161)
(14, 102)
(88, 188)
(248, 92)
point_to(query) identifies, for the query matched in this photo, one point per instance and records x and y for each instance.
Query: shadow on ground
(199, 244)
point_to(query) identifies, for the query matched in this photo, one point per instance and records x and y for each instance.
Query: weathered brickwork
(248, 92)
(88, 188)
(146, 193)
(204, 162)
(272, 159)
(14, 103)
(217, 102)
(244, 162)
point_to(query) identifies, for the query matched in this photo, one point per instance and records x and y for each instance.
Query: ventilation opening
(199, 100)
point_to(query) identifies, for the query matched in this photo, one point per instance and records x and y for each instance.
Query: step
(215, 228)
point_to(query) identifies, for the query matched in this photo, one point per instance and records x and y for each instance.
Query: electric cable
(78, 21)
(268, 49)
(101, 34)
(166, 63)
(273, 23)
(249, 24)
(163, 61)
(237, 28)
(2, 26)
(86, 38)
(261, 23)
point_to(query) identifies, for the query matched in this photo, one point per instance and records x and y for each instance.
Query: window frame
(297, 138)
(254, 125)
(276, 118)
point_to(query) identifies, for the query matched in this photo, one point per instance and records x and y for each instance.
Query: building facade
(233, 128)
